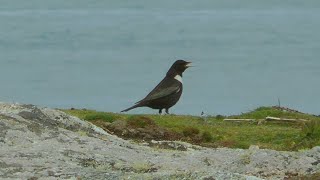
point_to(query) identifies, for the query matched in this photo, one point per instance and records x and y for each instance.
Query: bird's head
(179, 67)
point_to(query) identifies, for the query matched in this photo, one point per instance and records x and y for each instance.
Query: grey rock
(43, 143)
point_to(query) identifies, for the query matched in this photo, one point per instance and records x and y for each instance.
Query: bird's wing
(165, 88)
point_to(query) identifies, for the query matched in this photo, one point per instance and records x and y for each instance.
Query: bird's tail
(132, 107)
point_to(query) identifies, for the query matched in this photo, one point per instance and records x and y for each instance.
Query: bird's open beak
(188, 65)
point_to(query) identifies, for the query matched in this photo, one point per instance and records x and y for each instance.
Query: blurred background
(106, 55)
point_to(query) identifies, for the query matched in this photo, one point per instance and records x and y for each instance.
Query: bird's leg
(160, 111)
(167, 110)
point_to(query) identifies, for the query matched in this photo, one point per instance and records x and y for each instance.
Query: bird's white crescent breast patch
(178, 77)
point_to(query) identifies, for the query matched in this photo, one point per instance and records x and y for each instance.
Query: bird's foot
(167, 112)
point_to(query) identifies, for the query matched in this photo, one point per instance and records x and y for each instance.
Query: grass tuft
(190, 131)
(311, 129)
(206, 136)
(309, 135)
(140, 121)
(99, 116)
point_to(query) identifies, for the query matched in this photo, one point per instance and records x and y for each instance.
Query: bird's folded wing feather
(162, 90)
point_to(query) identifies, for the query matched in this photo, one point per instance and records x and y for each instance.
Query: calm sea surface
(106, 55)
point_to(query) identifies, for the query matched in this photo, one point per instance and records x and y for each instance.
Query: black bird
(167, 93)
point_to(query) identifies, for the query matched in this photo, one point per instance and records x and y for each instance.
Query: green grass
(262, 112)
(214, 132)
(91, 115)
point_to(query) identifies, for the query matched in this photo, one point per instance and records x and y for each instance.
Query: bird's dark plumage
(167, 93)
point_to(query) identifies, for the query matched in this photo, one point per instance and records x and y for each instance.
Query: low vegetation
(212, 131)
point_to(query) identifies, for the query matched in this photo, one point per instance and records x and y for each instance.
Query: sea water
(106, 55)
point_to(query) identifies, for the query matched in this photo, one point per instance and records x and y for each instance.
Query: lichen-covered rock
(45, 143)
